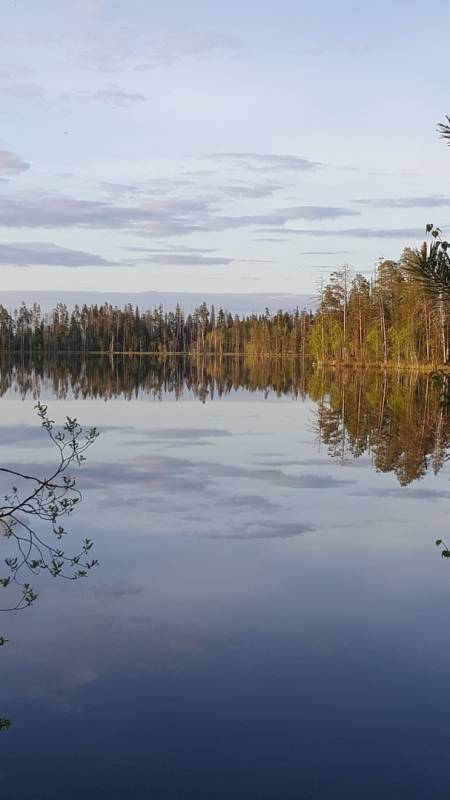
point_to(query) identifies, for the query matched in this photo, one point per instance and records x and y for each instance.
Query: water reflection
(262, 609)
(399, 418)
(129, 377)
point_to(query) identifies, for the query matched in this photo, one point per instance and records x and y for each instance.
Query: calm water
(270, 618)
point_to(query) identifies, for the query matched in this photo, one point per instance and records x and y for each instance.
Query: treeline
(387, 319)
(108, 329)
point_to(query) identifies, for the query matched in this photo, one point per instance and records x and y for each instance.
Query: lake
(270, 617)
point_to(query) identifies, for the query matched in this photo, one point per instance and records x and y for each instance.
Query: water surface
(270, 616)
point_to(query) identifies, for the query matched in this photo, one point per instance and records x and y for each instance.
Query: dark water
(270, 618)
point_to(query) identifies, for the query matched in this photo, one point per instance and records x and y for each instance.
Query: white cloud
(433, 201)
(11, 164)
(110, 93)
(354, 233)
(269, 162)
(22, 91)
(166, 217)
(174, 47)
(20, 254)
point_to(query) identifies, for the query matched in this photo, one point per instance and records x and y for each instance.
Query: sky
(200, 146)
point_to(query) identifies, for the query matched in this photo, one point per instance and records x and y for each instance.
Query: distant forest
(388, 319)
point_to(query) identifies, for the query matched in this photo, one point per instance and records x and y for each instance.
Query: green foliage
(390, 319)
(445, 552)
(38, 504)
(440, 381)
(430, 266)
(444, 129)
(45, 501)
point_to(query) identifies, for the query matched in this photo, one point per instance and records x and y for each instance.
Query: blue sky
(202, 146)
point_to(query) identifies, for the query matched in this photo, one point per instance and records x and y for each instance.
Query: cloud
(192, 260)
(270, 239)
(275, 218)
(11, 164)
(175, 255)
(115, 591)
(434, 201)
(335, 47)
(27, 254)
(324, 252)
(315, 212)
(110, 93)
(357, 233)
(22, 436)
(87, 6)
(157, 217)
(267, 530)
(174, 47)
(22, 91)
(250, 502)
(174, 475)
(171, 248)
(278, 162)
(75, 8)
(45, 210)
(95, 649)
(178, 437)
(120, 189)
(189, 260)
(357, 463)
(404, 492)
(269, 162)
(250, 191)
(13, 71)
(229, 191)
(182, 433)
(111, 48)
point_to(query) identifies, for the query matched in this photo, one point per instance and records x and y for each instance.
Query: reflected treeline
(400, 419)
(108, 377)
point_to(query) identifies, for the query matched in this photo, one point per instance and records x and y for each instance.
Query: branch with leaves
(443, 129)
(39, 504)
(430, 266)
(445, 552)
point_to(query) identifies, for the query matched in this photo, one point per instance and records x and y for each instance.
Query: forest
(390, 318)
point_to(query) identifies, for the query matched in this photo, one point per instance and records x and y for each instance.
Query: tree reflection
(397, 418)
(401, 419)
(107, 377)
